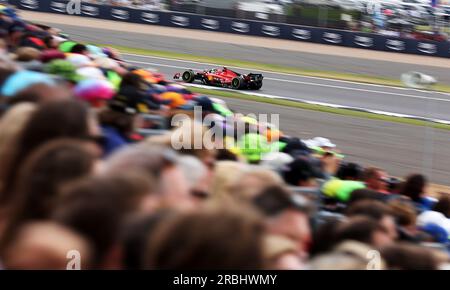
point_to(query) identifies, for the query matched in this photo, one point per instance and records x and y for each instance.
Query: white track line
(378, 112)
(314, 84)
(286, 74)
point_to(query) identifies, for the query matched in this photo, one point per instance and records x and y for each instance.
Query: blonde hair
(11, 126)
(246, 188)
(226, 175)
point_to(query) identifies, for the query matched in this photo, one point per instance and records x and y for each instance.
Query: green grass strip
(295, 71)
(319, 108)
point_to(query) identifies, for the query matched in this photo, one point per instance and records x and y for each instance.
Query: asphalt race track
(303, 60)
(398, 148)
(366, 96)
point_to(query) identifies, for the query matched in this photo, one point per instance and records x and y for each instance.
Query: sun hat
(63, 69)
(94, 91)
(23, 79)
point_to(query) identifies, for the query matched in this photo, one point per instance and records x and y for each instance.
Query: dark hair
(96, 208)
(369, 208)
(299, 170)
(403, 210)
(370, 173)
(365, 194)
(409, 257)
(224, 154)
(121, 121)
(41, 176)
(132, 79)
(324, 238)
(190, 242)
(414, 187)
(274, 200)
(443, 205)
(78, 48)
(350, 171)
(358, 228)
(52, 120)
(136, 235)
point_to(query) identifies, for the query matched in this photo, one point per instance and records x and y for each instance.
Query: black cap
(132, 101)
(295, 146)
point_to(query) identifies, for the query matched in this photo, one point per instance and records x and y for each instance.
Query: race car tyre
(237, 83)
(188, 76)
(256, 86)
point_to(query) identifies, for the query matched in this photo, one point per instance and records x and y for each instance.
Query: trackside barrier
(242, 27)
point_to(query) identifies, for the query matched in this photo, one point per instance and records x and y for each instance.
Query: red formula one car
(223, 78)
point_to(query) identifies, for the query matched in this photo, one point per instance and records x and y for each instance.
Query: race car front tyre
(237, 83)
(188, 76)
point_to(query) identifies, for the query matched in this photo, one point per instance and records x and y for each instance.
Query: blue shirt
(113, 140)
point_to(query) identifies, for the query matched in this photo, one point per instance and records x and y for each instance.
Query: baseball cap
(51, 54)
(93, 91)
(295, 146)
(276, 161)
(320, 142)
(91, 73)
(23, 79)
(132, 101)
(63, 69)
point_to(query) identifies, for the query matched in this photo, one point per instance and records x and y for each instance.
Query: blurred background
(416, 19)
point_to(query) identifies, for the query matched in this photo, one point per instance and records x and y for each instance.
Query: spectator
(165, 203)
(364, 230)
(40, 178)
(255, 181)
(376, 179)
(44, 246)
(405, 216)
(364, 194)
(54, 120)
(442, 206)
(349, 255)
(197, 175)
(350, 171)
(281, 254)
(226, 175)
(101, 201)
(301, 172)
(378, 212)
(235, 242)
(287, 215)
(158, 163)
(414, 187)
(135, 237)
(409, 257)
(11, 125)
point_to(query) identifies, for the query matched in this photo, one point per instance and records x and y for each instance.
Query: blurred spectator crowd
(88, 165)
(413, 19)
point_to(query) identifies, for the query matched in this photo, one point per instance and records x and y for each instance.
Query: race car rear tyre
(188, 76)
(237, 83)
(257, 86)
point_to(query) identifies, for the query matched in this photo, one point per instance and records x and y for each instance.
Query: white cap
(79, 60)
(91, 73)
(276, 160)
(320, 142)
